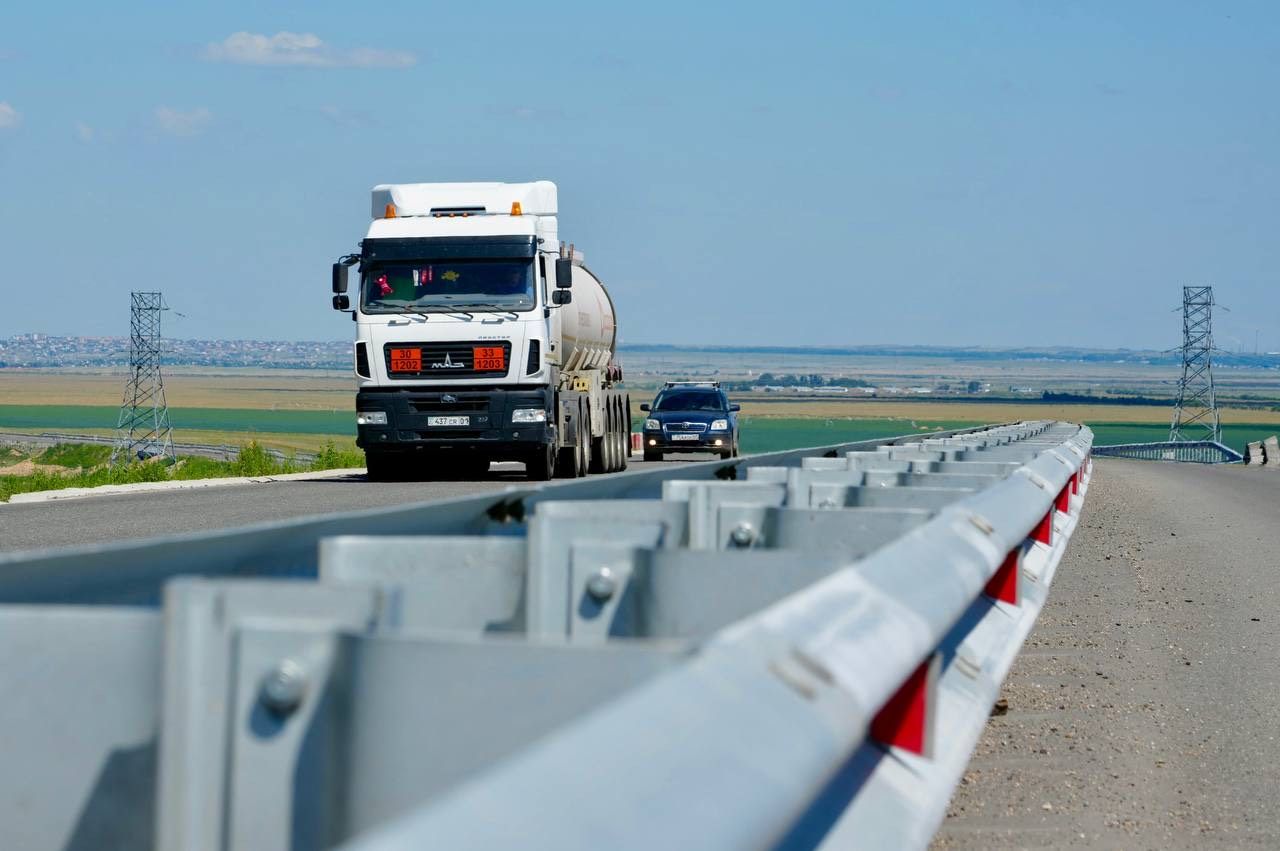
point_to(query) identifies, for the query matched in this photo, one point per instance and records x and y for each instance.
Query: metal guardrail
(782, 651)
(1192, 451)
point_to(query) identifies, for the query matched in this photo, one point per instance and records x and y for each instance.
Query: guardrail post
(906, 721)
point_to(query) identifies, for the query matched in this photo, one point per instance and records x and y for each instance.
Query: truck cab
(479, 336)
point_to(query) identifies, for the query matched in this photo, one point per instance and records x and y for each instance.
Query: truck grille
(462, 405)
(443, 361)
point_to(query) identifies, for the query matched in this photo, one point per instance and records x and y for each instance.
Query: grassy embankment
(83, 465)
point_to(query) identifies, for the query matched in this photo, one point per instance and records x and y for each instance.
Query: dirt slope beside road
(1144, 711)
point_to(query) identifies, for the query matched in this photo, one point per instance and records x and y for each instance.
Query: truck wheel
(541, 465)
(584, 456)
(380, 466)
(596, 462)
(567, 463)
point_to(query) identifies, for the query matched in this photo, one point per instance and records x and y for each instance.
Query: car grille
(697, 427)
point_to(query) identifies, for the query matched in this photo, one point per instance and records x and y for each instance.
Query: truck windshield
(689, 400)
(426, 286)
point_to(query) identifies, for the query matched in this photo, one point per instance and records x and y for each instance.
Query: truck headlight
(528, 415)
(719, 425)
(371, 417)
(652, 425)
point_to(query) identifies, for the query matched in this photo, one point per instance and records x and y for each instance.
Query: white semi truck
(480, 337)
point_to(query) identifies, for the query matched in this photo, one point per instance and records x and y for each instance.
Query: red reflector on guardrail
(1003, 585)
(1063, 500)
(1043, 533)
(906, 721)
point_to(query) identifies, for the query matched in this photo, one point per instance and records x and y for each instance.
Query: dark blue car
(690, 417)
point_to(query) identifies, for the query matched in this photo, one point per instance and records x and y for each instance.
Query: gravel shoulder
(1144, 709)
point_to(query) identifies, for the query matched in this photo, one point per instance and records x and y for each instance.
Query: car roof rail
(715, 384)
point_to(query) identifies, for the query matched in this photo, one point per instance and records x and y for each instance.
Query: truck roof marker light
(515, 209)
(389, 212)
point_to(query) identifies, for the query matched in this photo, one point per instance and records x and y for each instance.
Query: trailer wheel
(597, 461)
(541, 466)
(610, 439)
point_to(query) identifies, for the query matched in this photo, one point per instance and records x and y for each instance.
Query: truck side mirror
(341, 302)
(564, 273)
(734, 406)
(645, 406)
(561, 297)
(339, 278)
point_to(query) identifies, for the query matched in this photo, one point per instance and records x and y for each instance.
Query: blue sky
(987, 173)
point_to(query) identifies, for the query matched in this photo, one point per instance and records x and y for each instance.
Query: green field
(759, 434)
(772, 434)
(44, 417)
(1233, 435)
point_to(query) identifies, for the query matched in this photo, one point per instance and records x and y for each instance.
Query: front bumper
(658, 441)
(488, 411)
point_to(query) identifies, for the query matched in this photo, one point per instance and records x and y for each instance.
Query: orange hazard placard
(406, 360)
(489, 358)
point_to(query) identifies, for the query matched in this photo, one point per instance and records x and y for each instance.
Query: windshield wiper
(397, 309)
(493, 308)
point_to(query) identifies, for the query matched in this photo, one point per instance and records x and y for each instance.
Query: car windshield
(689, 400)
(427, 286)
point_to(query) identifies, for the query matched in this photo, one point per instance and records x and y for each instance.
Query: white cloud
(301, 49)
(175, 122)
(9, 117)
(84, 132)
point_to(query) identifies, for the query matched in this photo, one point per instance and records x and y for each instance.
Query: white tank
(588, 328)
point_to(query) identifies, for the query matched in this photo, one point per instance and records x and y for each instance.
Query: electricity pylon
(143, 429)
(1196, 415)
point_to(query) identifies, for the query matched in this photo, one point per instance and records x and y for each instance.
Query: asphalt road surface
(97, 519)
(1144, 711)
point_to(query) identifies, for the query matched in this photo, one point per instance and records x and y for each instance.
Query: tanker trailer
(480, 337)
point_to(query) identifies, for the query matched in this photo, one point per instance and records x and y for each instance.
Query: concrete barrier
(1253, 454)
(1271, 449)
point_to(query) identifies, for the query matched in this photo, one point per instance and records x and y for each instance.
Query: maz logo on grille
(448, 363)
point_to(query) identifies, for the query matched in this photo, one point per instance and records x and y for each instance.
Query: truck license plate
(448, 421)
(684, 437)
(488, 358)
(406, 360)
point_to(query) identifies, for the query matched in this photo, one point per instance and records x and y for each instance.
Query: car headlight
(371, 417)
(652, 425)
(528, 415)
(719, 425)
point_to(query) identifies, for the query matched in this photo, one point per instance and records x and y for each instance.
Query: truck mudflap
(499, 422)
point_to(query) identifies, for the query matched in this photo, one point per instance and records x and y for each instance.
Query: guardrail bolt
(743, 535)
(602, 585)
(284, 688)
